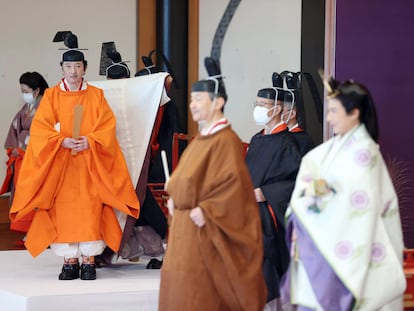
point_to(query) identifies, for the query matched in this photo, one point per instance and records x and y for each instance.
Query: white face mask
(260, 115)
(28, 98)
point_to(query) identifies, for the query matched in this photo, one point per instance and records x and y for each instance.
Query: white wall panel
(27, 30)
(264, 36)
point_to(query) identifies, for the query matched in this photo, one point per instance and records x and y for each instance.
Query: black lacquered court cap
(214, 83)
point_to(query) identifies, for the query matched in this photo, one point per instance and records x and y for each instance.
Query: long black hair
(354, 95)
(34, 80)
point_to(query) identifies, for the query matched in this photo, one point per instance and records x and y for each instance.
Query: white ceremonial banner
(135, 102)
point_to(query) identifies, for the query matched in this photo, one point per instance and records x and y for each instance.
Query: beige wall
(27, 30)
(264, 36)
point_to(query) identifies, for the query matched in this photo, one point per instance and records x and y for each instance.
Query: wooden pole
(77, 120)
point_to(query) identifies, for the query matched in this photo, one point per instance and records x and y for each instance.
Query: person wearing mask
(74, 174)
(273, 160)
(289, 116)
(344, 227)
(214, 250)
(32, 86)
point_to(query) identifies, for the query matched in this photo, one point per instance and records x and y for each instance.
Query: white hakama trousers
(74, 250)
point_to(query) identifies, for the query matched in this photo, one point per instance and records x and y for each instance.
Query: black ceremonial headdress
(111, 64)
(150, 68)
(214, 83)
(292, 82)
(285, 86)
(70, 40)
(269, 93)
(118, 69)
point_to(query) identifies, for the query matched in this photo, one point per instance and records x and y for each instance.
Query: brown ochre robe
(73, 195)
(217, 266)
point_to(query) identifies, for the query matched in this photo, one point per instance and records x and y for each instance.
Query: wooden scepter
(77, 119)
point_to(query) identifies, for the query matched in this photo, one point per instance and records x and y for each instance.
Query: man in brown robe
(214, 250)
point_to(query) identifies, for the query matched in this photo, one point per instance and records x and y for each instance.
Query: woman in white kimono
(344, 227)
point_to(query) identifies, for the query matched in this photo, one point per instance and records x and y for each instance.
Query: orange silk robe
(217, 266)
(73, 195)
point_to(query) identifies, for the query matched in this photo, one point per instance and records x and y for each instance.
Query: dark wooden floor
(9, 240)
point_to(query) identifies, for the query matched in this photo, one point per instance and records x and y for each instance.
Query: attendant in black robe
(289, 115)
(273, 160)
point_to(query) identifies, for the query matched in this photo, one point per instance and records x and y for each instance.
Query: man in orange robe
(74, 184)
